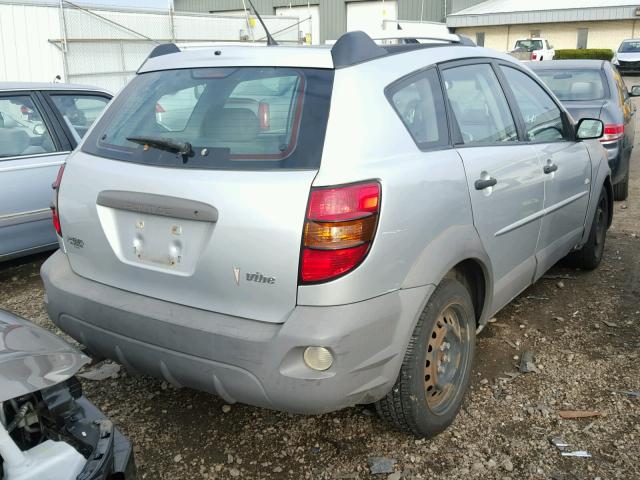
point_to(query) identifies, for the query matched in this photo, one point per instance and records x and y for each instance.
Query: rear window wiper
(167, 144)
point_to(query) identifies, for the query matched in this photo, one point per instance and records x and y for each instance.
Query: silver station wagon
(306, 229)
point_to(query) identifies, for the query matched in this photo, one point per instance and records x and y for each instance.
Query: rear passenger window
(79, 111)
(22, 130)
(479, 105)
(542, 117)
(419, 103)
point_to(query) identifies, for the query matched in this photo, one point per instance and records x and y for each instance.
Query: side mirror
(589, 128)
(635, 91)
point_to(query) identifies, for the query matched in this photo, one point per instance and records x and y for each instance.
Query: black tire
(417, 404)
(621, 189)
(590, 255)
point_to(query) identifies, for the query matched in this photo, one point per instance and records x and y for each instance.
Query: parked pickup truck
(534, 49)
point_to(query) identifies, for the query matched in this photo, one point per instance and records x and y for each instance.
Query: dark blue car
(595, 89)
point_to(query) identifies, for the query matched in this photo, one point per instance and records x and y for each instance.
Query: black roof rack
(164, 49)
(357, 47)
(160, 50)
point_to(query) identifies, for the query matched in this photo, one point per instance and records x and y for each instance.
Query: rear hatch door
(217, 227)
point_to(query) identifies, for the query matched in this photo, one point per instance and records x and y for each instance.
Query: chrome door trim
(24, 217)
(12, 168)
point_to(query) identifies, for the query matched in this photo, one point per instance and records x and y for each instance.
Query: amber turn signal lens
(330, 235)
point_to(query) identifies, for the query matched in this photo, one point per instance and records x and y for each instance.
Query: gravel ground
(582, 327)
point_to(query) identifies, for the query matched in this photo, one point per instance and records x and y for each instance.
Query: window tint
(576, 85)
(232, 118)
(79, 111)
(419, 103)
(22, 130)
(542, 117)
(479, 105)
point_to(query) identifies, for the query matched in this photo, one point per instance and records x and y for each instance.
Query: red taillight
(344, 203)
(534, 55)
(264, 116)
(613, 132)
(338, 231)
(55, 214)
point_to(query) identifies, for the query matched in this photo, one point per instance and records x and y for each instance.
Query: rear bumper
(618, 160)
(241, 360)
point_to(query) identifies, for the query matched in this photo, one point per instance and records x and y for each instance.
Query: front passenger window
(479, 105)
(542, 117)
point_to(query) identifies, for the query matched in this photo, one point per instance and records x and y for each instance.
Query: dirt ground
(583, 328)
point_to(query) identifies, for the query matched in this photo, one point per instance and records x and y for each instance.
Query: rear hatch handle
(162, 205)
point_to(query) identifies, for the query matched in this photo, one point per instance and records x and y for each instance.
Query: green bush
(586, 53)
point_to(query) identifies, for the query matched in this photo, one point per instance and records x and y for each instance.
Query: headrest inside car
(234, 125)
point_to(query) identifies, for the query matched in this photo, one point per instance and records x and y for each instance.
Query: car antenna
(270, 39)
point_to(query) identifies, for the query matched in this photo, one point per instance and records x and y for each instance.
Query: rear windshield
(218, 118)
(529, 45)
(576, 85)
(626, 47)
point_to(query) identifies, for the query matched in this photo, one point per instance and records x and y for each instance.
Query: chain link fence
(105, 47)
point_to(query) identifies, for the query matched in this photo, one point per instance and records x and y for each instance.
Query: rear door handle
(482, 184)
(550, 168)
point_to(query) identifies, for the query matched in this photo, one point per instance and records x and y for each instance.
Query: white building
(564, 23)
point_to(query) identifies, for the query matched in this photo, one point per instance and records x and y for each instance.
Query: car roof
(242, 56)
(11, 86)
(350, 49)
(555, 64)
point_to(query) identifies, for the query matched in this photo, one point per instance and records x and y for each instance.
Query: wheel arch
(474, 275)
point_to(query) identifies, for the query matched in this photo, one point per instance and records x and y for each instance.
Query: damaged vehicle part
(48, 429)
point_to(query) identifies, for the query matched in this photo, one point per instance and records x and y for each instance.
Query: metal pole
(246, 16)
(171, 20)
(422, 10)
(63, 28)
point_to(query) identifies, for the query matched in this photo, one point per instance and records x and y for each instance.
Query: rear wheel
(590, 255)
(436, 368)
(621, 189)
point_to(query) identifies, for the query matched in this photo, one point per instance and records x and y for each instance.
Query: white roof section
(243, 56)
(12, 86)
(501, 12)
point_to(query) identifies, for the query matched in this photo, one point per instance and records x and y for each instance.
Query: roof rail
(357, 47)
(412, 38)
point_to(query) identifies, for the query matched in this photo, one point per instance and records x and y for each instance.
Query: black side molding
(355, 47)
